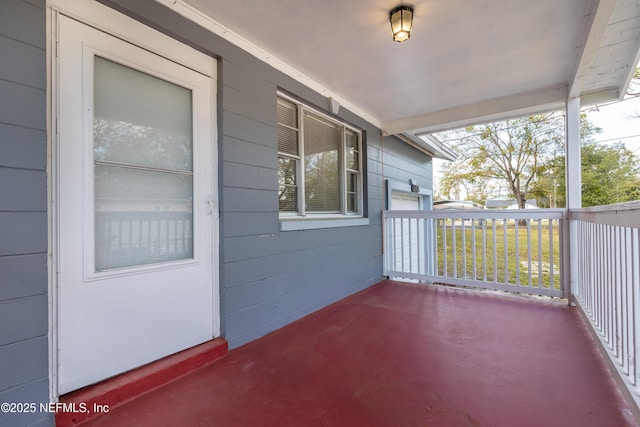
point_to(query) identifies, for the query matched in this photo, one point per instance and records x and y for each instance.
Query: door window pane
(140, 119)
(143, 168)
(142, 217)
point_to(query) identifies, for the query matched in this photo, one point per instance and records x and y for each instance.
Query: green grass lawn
(492, 262)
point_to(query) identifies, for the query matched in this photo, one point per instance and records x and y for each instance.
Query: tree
(634, 85)
(511, 152)
(456, 180)
(610, 174)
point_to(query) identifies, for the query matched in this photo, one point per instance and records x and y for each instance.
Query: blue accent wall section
(270, 278)
(24, 349)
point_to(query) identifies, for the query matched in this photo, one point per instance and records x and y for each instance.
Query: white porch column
(573, 156)
(573, 180)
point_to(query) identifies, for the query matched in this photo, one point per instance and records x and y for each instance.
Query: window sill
(310, 222)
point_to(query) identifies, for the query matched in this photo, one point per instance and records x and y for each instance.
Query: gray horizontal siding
(254, 269)
(23, 232)
(26, 359)
(270, 278)
(22, 147)
(23, 319)
(30, 196)
(257, 246)
(253, 293)
(23, 210)
(246, 129)
(247, 154)
(23, 276)
(22, 63)
(250, 199)
(28, 112)
(23, 21)
(34, 391)
(240, 175)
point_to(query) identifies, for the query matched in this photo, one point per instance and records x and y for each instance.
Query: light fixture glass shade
(401, 20)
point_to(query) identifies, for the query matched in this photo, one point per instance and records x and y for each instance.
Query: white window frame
(302, 220)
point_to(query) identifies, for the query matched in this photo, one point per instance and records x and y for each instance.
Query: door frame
(425, 197)
(118, 25)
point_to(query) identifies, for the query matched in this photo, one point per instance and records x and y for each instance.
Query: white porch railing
(510, 250)
(526, 251)
(608, 283)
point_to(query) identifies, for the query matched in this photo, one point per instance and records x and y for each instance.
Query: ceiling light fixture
(401, 19)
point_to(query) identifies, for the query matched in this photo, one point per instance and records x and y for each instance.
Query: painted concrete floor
(400, 354)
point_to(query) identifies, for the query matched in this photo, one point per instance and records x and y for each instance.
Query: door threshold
(92, 401)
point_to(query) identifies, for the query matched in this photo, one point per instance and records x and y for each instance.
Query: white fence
(608, 282)
(511, 250)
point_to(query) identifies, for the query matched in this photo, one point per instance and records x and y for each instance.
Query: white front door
(137, 274)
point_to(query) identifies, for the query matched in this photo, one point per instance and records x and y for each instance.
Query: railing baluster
(483, 224)
(608, 288)
(540, 273)
(624, 300)
(474, 264)
(618, 293)
(435, 271)
(400, 252)
(634, 259)
(454, 252)
(529, 281)
(551, 258)
(464, 250)
(517, 232)
(445, 249)
(505, 251)
(495, 253)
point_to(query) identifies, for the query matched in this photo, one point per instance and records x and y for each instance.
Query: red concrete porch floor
(400, 354)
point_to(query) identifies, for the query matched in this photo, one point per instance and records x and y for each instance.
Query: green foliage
(510, 268)
(510, 152)
(610, 174)
(634, 86)
(526, 155)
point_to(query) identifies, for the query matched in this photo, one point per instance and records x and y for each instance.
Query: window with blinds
(319, 163)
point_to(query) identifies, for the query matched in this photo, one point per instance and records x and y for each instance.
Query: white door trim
(426, 195)
(123, 27)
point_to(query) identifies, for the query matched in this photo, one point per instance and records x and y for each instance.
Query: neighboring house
(456, 204)
(508, 203)
(499, 203)
(165, 182)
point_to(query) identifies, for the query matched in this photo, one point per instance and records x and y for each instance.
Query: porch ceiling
(467, 61)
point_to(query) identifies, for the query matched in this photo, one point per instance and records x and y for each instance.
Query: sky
(619, 121)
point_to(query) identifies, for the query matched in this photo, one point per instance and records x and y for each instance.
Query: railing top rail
(481, 214)
(621, 214)
(624, 206)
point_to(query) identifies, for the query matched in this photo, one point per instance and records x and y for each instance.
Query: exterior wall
(399, 162)
(23, 210)
(270, 278)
